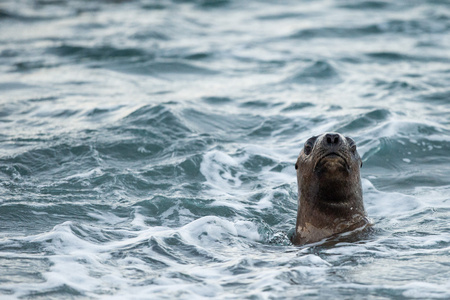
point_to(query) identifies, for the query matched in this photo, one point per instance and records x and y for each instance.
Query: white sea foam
(106, 217)
(88, 266)
(86, 175)
(221, 171)
(138, 221)
(434, 196)
(388, 204)
(213, 229)
(425, 290)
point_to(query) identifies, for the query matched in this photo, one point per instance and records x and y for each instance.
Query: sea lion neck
(333, 191)
(323, 204)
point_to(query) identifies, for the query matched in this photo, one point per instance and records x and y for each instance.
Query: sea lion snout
(333, 142)
(331, 153)
(332, 139)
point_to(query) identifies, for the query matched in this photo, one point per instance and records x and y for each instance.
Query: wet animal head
(328, 169)
(329, 188)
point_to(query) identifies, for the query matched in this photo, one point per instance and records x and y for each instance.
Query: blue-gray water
(147, 148)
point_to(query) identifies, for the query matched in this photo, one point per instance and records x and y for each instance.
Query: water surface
(148, 147)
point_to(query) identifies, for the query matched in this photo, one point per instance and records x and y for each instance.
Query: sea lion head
(329, 186)
(329, 165)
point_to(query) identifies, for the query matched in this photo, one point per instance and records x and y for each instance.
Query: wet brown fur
(329, 187)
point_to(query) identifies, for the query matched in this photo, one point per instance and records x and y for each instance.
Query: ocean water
(147, 148)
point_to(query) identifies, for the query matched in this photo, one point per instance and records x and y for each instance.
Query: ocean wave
(317, 73)
(148, 147)
(163, 69)
(99, 53)
(158, 118)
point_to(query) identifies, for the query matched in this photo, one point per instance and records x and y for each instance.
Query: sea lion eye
(307, 149)
(309, 145)
(351, 144)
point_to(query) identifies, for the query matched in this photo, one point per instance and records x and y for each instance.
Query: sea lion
(330, 195)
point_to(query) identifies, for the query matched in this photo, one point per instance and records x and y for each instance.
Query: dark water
(148, 147)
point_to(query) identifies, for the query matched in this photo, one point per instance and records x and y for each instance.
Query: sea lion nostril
(332, 139)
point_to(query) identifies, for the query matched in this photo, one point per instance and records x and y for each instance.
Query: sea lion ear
(296, 166)
(361, 164)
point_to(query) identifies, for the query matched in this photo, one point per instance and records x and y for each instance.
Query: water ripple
(148, 147)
